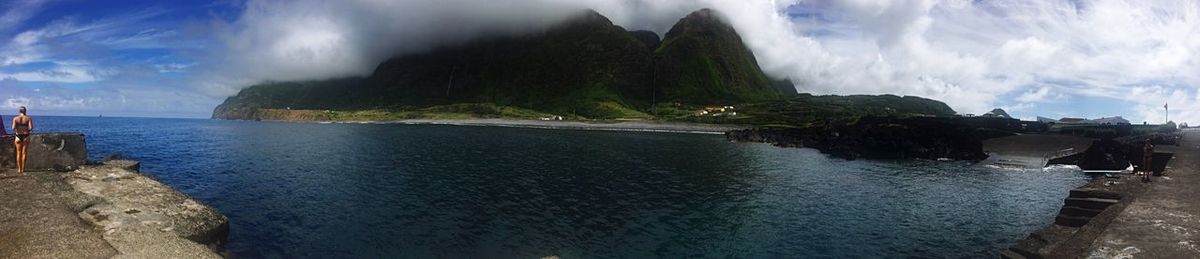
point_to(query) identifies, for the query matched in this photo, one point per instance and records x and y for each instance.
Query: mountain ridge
(584, 68)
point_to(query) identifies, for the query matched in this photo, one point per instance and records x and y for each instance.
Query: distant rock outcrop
(998, 113)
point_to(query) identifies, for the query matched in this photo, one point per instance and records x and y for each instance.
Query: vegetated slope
(806, 110)
(703, 60)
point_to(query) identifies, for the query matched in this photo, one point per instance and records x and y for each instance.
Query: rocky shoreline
(878, 138)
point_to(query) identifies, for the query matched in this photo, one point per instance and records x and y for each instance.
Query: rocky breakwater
(878, 138)
(141, 217)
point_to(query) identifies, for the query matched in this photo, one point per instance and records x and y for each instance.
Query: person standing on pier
(22, 125)
(1147, 161)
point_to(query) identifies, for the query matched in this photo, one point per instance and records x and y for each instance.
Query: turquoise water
(318, 190)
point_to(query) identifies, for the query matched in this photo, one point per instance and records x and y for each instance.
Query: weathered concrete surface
(1164, 220)
(96, 211)
(143, 218)
(1031, 150)
(1067, 239)
(35, 224)
(103, 212)
(47, 152)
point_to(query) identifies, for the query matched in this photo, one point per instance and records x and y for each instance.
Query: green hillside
(703, 60)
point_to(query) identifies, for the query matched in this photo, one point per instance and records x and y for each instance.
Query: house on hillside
(1111, 121)
(1116, 120)
(1069, 120)
(718, 111)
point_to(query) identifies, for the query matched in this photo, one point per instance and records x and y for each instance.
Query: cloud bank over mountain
(1031, 57)
(972, 54)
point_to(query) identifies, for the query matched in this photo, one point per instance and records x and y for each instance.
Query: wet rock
(132, 166)
(1106, 154)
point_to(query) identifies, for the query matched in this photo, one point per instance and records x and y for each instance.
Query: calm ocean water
(315, 190)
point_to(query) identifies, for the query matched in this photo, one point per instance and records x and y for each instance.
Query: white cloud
(1038, 95)
(129, 101)
(63, 72)
(16, 12)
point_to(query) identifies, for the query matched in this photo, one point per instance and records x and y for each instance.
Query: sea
(308, 190)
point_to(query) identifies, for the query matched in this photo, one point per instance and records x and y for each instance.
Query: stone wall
(49, 151)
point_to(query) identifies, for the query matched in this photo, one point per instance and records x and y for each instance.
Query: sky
(1049, 58)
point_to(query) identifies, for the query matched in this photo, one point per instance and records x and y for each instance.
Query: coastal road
(34, 223)
(1163, 221)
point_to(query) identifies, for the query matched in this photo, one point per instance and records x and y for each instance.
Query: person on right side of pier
(22, 125)
(1147, 161)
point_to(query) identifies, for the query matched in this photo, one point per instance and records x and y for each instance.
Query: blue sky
(131, 58)
(1032, 57)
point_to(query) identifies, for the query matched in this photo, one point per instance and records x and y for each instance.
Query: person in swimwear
(22, 125)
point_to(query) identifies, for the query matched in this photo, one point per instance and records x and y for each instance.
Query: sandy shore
(640, 126)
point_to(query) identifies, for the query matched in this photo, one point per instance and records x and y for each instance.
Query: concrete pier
(1164, 220)
(1120, 216)
(65, 208)
(35, 224)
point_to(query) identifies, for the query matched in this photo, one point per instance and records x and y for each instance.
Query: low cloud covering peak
(1031, 57)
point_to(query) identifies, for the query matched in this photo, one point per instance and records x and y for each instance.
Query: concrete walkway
(34, 223)
(1164, 220)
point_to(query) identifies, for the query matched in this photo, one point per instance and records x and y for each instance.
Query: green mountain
(585, 67)
(703, 60)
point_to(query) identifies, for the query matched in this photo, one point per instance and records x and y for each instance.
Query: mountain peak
(589, 16)
(706, 14)
(703, 59)
(703, 20)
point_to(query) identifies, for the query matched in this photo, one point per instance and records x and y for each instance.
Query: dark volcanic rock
(1120, 153)
(1106, 154)
(56, 152)
(879, 138)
